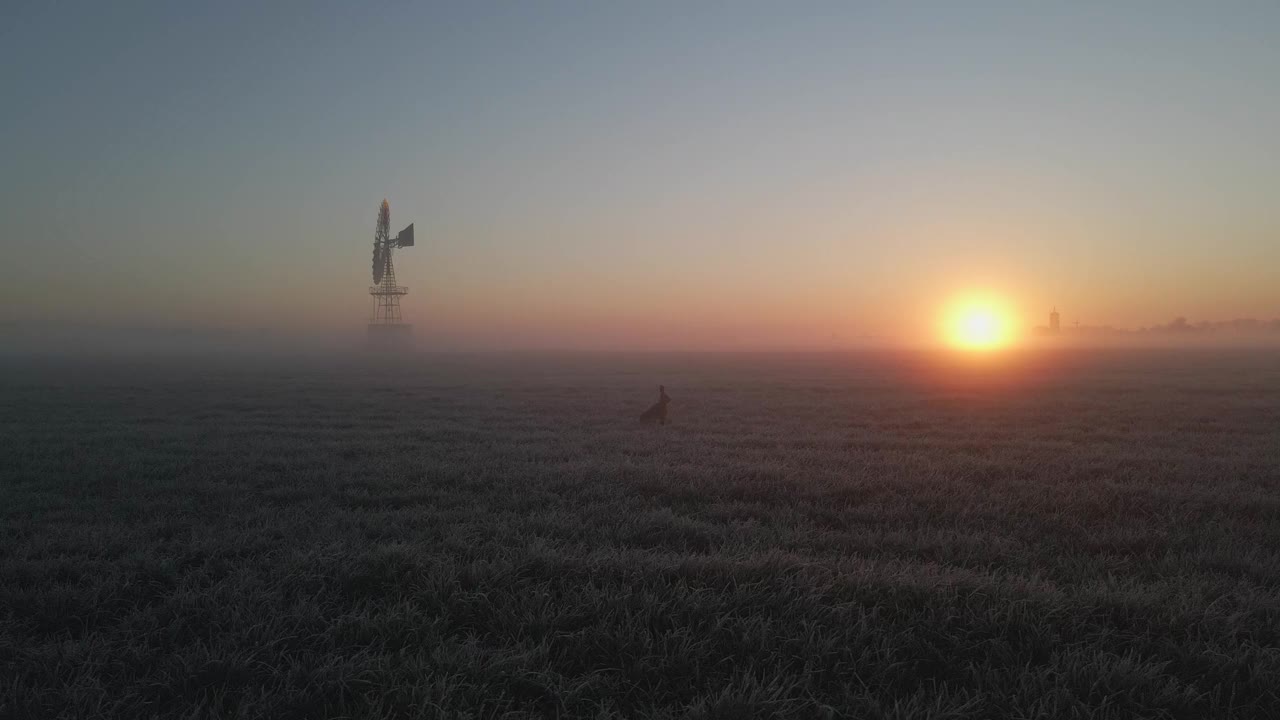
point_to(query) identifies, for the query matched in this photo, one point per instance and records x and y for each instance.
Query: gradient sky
(683, 175)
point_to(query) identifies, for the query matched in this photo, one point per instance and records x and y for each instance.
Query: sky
(638, 175)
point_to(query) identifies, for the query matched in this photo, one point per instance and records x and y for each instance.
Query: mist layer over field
(880, 535)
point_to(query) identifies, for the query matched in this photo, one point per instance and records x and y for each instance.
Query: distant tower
(1055, 324)
(386, 329)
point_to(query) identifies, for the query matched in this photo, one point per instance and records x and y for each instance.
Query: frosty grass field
(863, 535)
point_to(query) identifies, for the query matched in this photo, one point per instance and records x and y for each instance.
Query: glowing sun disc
(978, 326)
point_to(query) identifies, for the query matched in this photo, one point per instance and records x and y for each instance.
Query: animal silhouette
(657, 413)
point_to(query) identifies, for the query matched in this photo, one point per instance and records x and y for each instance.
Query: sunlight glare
(978, 326)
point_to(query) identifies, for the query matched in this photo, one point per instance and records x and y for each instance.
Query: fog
(88, 340)
(72, 340)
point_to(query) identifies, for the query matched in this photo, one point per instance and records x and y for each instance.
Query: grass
(844, 536)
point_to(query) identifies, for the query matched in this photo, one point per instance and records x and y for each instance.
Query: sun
(978, 325)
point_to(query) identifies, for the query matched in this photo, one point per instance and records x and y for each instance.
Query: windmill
(386, 327)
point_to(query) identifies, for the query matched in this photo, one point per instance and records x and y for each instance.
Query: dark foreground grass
(869, 536)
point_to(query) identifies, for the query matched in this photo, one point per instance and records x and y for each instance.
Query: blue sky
(648, 174)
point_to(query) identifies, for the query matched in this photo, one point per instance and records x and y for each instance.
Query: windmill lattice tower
(387, 324)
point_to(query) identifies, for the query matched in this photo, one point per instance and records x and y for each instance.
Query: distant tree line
(1179, 326)
(1239, 325)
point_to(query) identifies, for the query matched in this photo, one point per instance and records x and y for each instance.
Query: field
(875, 535)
